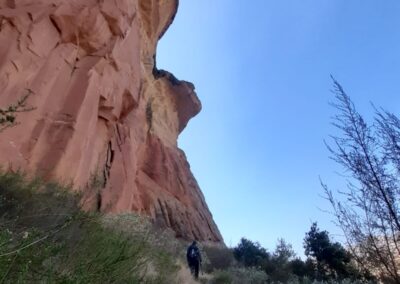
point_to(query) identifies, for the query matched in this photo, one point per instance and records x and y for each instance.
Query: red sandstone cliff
(102, 109)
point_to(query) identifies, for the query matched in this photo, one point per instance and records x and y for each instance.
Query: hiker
(193, 257)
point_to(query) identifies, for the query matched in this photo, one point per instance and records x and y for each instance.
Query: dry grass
(46, 238)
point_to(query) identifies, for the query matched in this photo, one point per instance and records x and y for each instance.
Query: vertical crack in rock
(149, 115)
(108, 163)
(55, 24)
(119, 138)
(99, 201)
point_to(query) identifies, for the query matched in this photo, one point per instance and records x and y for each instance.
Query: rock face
(104, 117)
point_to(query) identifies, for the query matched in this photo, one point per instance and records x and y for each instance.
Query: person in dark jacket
(193, 257)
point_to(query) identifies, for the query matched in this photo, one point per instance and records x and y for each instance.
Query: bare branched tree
(368, 210)
(8, 114)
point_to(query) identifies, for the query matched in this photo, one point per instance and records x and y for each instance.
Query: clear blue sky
(261, 69)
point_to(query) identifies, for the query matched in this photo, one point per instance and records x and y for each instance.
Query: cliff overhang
(104, 118)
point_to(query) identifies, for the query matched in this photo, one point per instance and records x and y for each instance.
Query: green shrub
(250, 253)
(222, 277)
(240, 275)
(104, 256)
(217, 258)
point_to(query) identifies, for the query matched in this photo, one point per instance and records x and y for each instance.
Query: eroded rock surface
(105, 118)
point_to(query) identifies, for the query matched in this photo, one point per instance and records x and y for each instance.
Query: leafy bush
(250, 253)
(327, 260)
(222, 277)
(217, 258)
(332, 260)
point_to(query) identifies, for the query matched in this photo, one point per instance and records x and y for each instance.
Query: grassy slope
(45, 237)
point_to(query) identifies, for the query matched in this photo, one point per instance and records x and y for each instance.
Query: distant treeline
(327, 261)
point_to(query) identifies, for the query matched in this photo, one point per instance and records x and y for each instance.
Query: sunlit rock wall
(104, 118)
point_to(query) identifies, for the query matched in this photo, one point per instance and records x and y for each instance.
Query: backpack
(193, 253)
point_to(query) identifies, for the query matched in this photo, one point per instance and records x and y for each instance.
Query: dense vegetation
(46, 238)
(327, 261)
